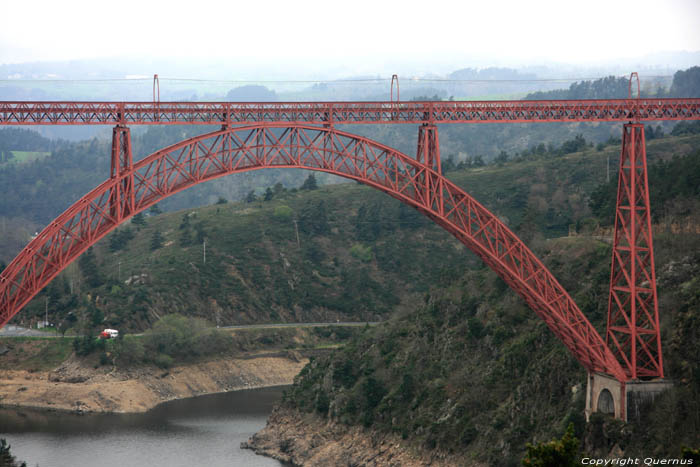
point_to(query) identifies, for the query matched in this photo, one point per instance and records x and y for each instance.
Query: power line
(320, 81)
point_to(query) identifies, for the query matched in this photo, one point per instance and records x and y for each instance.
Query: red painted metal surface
(633, 313)
(398, 94)
(414, 182)
(321, 113)
(634, 75)
(121, 203)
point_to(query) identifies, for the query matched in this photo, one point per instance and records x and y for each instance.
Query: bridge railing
(324, 113)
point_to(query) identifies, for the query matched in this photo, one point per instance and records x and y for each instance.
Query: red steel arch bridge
(304, 135)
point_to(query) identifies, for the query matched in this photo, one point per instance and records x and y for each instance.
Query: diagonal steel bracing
(133, 187)
(633, 332)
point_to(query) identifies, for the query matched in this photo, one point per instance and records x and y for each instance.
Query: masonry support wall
(633, 333)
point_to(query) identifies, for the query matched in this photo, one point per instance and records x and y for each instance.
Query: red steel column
(633, 314)
(428, 154)
(122, 197)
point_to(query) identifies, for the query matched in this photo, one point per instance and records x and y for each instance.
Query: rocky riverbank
(76, 386)
(306, 439)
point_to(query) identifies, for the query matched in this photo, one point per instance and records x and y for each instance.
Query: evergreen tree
(6, 457)
(278, 189)
(139, 220)
(686, 83)
(88, 266)
(96, 315)
(186, 238)
(574, 145)
(501, 158)
(368, 223)
(268, 194)
(201, 234)
(185, 223)
(313, 218)
(156, 240)
(250, 197)
(409, 217)
(119, 238)
(221, 200)
(155, 210)
(310, 183)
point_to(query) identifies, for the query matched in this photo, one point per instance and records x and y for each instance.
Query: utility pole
(204, 251)
(607, 169)
(46, 312)
(119, 271)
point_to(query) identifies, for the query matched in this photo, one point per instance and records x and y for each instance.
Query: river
(201, 431)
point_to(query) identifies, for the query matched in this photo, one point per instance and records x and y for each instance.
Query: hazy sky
(362, 33)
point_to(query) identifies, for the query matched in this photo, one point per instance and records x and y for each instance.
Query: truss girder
(227, 151)
(318, 113)
(633, 332)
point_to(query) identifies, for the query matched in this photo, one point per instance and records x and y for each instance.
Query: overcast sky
(361, 33)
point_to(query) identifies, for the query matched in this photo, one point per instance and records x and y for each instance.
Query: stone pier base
(625, 400)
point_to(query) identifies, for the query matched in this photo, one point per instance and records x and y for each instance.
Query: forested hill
(473, 375)
(462, 366)
(686, 83)
(46, 176)
(337, 252)
(42, 177)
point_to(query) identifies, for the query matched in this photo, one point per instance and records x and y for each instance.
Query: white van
(109, 334)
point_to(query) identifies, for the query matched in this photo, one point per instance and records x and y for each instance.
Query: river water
(201, 431)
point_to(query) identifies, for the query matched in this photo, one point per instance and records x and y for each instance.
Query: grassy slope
(256, 271)
(27, 156)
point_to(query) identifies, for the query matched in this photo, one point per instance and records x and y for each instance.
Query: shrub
(180, 337)
(163, 361)
(127, 351)
(556, 453)
(361, 252)
(283, 212)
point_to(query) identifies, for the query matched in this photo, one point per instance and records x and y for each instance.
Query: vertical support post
(428, 154)
(633, 314)
(122, 199)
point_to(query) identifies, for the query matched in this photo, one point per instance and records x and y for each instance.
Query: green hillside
(462, 365)
(475, 374)
(359, 254)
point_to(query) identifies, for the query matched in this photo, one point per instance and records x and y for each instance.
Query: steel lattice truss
(434, 112)
(228, 151)
(633, 312)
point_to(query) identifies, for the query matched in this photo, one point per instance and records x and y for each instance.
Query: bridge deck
(324, 113)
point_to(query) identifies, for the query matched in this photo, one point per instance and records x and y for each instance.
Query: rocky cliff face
(308, 440)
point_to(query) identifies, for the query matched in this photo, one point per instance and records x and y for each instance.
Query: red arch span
(233, 150)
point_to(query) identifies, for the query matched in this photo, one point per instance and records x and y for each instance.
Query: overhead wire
(319, 81)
